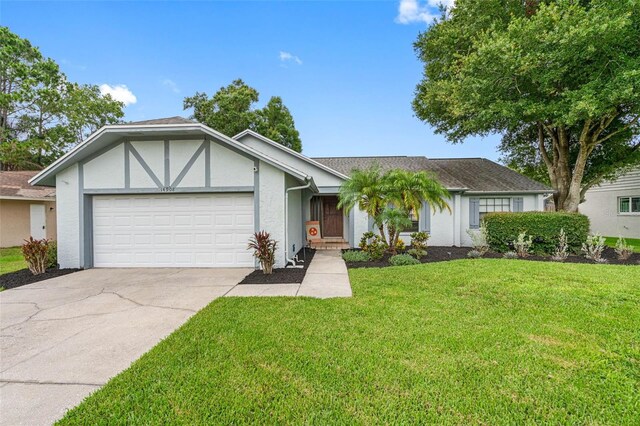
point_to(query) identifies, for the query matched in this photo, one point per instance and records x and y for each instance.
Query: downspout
(286, 223)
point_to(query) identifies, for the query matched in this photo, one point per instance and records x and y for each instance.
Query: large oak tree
(560, 80)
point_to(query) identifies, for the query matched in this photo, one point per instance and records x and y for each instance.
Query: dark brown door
(332, 217)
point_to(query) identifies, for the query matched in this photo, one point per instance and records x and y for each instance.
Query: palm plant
(407, 190)
(389, 198)
(366, 190)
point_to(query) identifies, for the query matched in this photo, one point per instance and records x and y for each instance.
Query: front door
(332, 217)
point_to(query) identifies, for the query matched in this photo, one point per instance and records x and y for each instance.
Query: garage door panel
(201, 230)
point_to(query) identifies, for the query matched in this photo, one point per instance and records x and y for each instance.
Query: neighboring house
(25, 210)
(614, 207)
(171, 192)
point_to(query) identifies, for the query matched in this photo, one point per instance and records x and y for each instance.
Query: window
(489, 205)
(628, 204)
(415, 224)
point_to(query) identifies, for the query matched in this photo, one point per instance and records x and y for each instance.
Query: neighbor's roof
(15, 185)
(167, 120)
(469, 174)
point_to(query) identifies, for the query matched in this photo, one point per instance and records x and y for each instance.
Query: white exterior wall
(106, 171)
(360, 225)
(320, 177)
(68, 217)
(296, 238)
(601, 206)
(228, 168)
(271, 206)
(441, 233)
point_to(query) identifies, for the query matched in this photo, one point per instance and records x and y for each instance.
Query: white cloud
(286, 57)
(119, 92)
(410, 11)
(171, 85)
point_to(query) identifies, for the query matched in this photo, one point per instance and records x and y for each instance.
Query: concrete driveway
(63, 338)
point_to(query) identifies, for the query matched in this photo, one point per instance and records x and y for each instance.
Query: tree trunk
(382, 234)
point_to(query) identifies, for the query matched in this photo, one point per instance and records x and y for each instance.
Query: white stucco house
(171, 192)
(613, 207)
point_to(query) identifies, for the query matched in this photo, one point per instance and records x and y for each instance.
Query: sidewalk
(326, 277)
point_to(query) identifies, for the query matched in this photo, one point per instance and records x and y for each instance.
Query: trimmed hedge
(503, 228)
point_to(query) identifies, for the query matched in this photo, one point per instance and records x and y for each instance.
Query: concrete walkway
(326, 277)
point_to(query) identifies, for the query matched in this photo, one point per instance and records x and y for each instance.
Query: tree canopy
(231, 110)
(42, 114)
(560, 80)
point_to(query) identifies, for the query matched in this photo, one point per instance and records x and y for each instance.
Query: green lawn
(11, 260)
(488, 341)
(634, 242)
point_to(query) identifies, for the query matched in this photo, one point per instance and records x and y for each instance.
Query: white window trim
(629, 213)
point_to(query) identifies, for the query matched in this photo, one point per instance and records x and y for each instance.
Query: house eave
(18, 198)
(510, 192)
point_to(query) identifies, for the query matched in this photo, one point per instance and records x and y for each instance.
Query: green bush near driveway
(503, 228)
(403, 260)
(484, 341)
(356, 256)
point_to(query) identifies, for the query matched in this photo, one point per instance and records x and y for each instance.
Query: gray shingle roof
(473, 174)
(167, 120)
(16, 184)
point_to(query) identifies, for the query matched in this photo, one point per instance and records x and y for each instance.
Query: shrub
(419, 241)
(417, 253)
(36, 254)
(356, 256)
(561, 253)
(403, 260)
(52, 255)
(522, 245)
(372, 244)
(264, 249)
(474, 254)
(593, 248)
(510, 255)
(479, 239)
(400, 245)
(544, 227)
(623, 250)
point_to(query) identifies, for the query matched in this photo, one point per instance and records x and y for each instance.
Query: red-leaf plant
(36, 253)
(264, 249)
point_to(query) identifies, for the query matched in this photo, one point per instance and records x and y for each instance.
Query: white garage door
(163, 230)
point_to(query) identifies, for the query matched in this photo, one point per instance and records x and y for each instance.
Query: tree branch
(610, 135)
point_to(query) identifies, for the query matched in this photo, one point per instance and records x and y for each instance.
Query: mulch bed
(443, 254)
(282, 275)
(24, 277)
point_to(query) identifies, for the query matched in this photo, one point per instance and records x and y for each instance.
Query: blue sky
(346, 70)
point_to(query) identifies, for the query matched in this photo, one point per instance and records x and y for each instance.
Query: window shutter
(425, 217)
(474, 213)
(518, 204)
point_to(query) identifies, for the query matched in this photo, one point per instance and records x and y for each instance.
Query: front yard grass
(487, 341)
(634, 242)
(11, 260)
